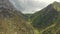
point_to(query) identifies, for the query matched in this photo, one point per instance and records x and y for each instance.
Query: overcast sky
(31, 6)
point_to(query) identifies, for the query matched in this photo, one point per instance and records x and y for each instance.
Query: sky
(31, 6)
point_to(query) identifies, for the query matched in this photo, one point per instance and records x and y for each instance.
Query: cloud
(30, 6)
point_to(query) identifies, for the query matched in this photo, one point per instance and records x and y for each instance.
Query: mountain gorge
(45, 21)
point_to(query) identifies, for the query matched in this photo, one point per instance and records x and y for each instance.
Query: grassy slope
(54, 27)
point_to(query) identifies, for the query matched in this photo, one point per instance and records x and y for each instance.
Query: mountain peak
(56, 5)
(55, 2)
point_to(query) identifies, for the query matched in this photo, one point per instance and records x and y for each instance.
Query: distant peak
(55, 2)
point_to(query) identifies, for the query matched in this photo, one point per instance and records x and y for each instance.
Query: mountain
(6, 4)
(12, 20)
(47, 20)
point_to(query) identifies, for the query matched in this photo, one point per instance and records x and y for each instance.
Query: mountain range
(45, 21)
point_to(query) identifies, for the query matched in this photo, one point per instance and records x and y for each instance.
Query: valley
(45, 21)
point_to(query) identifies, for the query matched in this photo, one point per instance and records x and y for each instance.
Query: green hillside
(47, 20)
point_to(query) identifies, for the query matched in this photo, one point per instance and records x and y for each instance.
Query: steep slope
(12, 21)
(47, 20)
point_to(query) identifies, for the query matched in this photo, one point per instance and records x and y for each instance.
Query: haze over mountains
(45, 21)
(31, 6)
